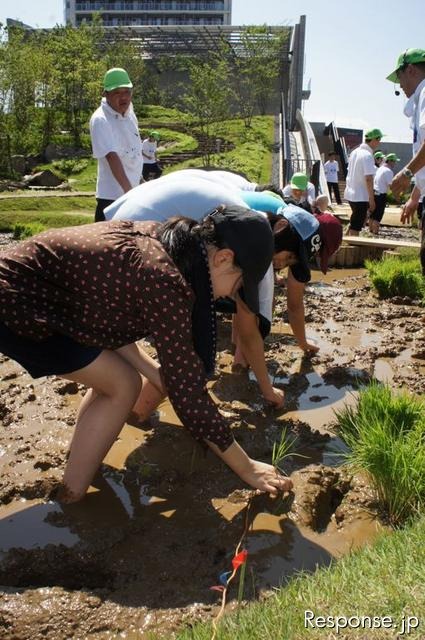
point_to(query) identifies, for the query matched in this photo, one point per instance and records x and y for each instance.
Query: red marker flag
(240, 559)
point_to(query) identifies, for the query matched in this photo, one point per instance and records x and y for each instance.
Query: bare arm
(252, 345)
(401, 182)
(118, 171)
(259, 475)
(296, 315)
(369, 186)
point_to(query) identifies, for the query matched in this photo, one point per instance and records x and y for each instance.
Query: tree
(78, 74)
(207, 98)
(255, 68)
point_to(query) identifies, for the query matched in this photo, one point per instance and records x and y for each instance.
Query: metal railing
(314, 164)
(285, 171)
(139, 5)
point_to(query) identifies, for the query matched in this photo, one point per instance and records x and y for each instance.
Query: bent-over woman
(74, 301)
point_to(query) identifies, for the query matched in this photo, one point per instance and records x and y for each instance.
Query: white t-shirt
(232, 180)
(161, 199)
(415, 110)
(382, 180)
(331, 171)
(112, 132)
(360, 165)
(149, 148)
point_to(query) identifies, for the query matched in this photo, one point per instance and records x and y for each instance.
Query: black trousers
(151, 171)
(380, 204)
(334, 186)
(102, 203)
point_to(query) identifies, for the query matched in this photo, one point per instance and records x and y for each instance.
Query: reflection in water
(317, 405)
(29, 524)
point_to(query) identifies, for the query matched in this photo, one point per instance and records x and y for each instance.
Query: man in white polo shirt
(381, 183)
(410, 75)
(115, 141)
(359, 187)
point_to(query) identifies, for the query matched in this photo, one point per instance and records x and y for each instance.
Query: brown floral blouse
(107, 285)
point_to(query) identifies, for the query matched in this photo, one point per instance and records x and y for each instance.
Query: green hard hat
(374, 134)
(154, 134)
(115, 79)
(299, 181)
(410, 56)
(392, 157)
(378, 155)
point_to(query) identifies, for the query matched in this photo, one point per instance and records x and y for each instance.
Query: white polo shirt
(112, 132)
(383, 178)
(415, 110)
(360, 165)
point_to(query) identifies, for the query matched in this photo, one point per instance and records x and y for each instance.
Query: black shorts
(380, 202)
(56, 355)
(358, 215)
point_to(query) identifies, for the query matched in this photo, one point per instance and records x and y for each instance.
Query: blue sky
(350, 47)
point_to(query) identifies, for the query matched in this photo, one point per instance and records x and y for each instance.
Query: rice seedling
(385, 433)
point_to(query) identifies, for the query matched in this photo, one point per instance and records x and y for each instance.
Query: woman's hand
(309, 348)
(276, 397)
(266, 478)
(259, 475)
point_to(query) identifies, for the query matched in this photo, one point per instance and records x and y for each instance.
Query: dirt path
(161, 522)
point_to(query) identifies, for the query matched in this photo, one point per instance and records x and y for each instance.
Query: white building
(150, 12)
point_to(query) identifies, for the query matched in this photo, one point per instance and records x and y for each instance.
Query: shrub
(22, 231)
(386, 436)
(68, 166)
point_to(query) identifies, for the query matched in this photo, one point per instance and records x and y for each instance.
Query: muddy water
(161, 521)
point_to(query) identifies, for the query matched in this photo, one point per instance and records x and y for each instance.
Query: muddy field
(162, 521)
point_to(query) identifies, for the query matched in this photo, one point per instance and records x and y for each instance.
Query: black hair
(269, 187)
(214, 168)
(181, 236)
(286, 239)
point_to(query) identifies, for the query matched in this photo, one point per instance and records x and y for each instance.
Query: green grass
(252, 154)
(9, 220)
(46, 204)
(382, 580)
(157, 114)
(386, 436)
(397, 276)
(176, 141)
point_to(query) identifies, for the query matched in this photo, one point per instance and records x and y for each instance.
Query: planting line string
(235, 569)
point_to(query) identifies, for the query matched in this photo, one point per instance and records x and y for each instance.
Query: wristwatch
(406, 172)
